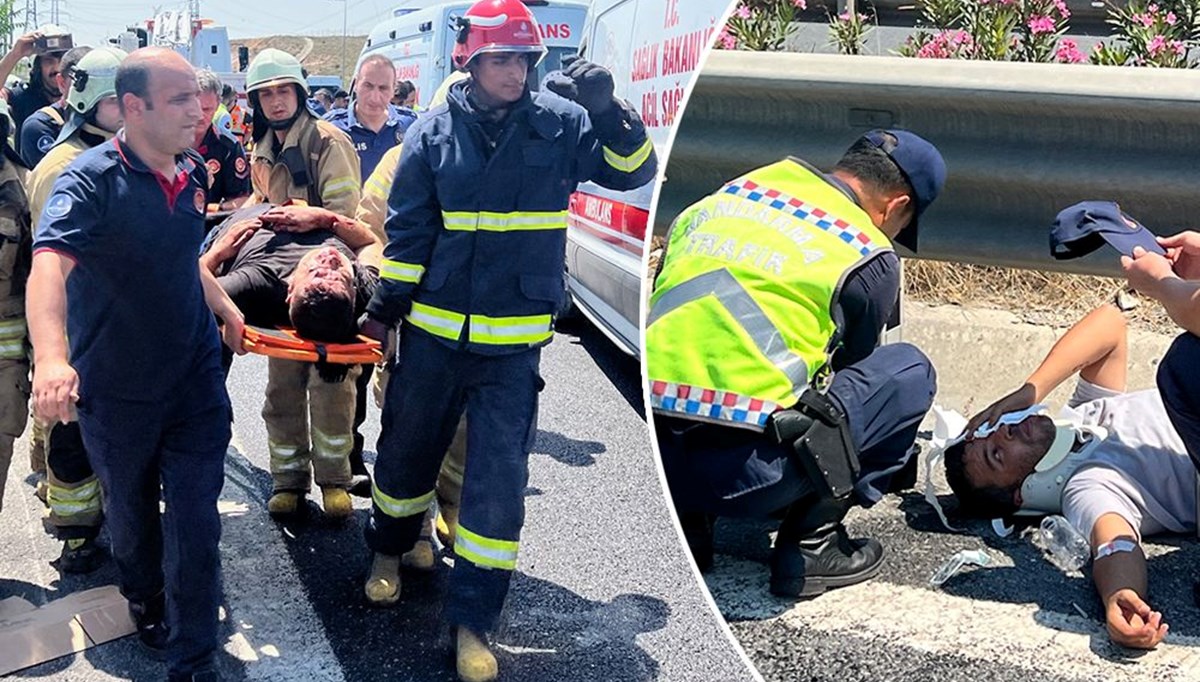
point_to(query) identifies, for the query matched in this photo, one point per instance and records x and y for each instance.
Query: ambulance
(418, 39)
(654, 49)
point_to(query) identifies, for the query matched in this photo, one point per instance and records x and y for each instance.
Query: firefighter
(228, 169)
(769, 392)
(298, 157)
(115, 272)
(474, 268)
(74, 491)
(40, 131)
(14, 269)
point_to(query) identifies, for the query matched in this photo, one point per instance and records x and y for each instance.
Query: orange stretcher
(284, 344)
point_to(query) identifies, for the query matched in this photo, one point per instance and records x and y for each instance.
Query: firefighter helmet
(496, 26)
(274, 67)
(95, 78)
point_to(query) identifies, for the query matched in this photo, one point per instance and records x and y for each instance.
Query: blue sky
(94, 20)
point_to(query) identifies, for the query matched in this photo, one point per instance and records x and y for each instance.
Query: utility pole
(31, 15)
(54, 12)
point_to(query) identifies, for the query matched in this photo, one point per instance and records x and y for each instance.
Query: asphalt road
(1019, 620)
(602, 591)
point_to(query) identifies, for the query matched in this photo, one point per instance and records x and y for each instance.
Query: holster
(293, 159)
(819, 434)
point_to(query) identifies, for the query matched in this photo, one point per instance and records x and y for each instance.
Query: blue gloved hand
(587, 83)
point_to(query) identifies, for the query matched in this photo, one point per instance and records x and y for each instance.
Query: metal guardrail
(1021, 141)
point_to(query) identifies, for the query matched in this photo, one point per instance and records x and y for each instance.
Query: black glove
(591, 85)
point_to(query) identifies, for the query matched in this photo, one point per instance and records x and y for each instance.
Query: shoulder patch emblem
(44, 143)
(239, 166)
(199, 198)
(58, 206)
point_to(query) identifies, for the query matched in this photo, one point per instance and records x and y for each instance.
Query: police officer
(474, 267)
(74, 491)
(41, 129)
(769, 394)
(228, 169)
(373, 124)
(14, 269)
(42, 88)
(298, 157)
(115, 272)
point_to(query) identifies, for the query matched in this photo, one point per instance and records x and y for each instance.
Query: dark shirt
(139, 328)
(256, 278)
(23, 103)
(371, 145)
(867, 299)
(38, 135)
(228, 169)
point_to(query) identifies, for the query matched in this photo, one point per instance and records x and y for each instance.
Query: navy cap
(1086, 226)
(921, 164)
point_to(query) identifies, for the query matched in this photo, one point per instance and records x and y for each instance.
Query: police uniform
(73, 492)
(40, 132)
(371, 145)
(153, 409)
(331, 180)
(228, 168)
(474, 268)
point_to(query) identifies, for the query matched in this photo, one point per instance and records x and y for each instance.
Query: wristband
(1115, 546)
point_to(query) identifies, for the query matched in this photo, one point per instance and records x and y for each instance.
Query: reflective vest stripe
(376, 187)
(74, 501)
(339, 186)
(629, 164)
(326, 446)
(712, 403)
(485, 551)
(12, 350)
(766, 336)
(488, 221)
(444, 323)
(806, 212)
(400, 271)
(510, 330)
(398, 508)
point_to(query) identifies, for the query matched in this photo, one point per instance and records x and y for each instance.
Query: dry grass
(1046, 298)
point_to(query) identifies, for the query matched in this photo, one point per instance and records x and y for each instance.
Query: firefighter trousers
(14, 412)
(295, 391)
(74, 491)
(431, 388)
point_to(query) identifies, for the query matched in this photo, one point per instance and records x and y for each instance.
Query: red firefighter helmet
(496, 26)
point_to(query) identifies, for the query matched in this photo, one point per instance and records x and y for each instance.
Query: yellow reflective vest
(741, 321)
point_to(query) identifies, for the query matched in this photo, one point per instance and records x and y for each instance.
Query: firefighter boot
(80, 555)
(421, 555)
(813, 552)
(450, 484)
(383, 585)
(475, 660)
(447, 523)
(336, 502)
(284, 503)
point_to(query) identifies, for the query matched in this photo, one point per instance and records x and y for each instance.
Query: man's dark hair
(874, 167)
(404, 89)
(320, 314)
(987, 502)
(133, 77)
(341, 93)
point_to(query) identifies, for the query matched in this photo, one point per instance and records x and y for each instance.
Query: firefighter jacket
(477, 215)
(316, 164)
(741, 321)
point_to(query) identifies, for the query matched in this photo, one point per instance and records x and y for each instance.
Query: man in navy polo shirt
(115, 271)
(372, 123)
(228, 168)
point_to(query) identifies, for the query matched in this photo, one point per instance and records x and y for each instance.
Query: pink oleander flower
(800, 5)
(726, 39)
(1156, 45)
(1177, 47)
(1152, 9)
(1171, 19)
(844, 16)
(1063, 10)
(1040, 25)
(1068, 52)
(742, 12)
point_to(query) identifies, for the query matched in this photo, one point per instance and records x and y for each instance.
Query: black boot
(813, 552)
(698, 531)
(150, 618)
(80, 555)
(360, 480)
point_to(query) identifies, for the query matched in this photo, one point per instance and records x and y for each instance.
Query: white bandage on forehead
(948, 422)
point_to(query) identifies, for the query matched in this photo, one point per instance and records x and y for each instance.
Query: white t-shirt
(1141, 471)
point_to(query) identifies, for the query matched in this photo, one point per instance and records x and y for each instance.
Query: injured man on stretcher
(1112, 464)
(296, 266)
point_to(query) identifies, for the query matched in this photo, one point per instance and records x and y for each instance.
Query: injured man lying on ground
(1112, 464)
